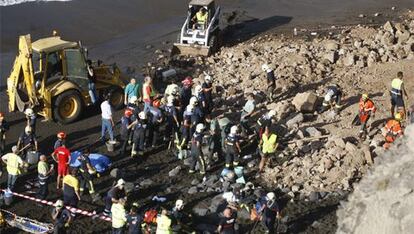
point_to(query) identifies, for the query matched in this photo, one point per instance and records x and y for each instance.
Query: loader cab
(196, 5)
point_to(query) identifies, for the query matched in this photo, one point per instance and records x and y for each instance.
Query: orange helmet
(128, 113)
(156, 103)
(188, 81)
(61, 135)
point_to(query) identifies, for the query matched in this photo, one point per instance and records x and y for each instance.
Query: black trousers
(198, 157)
(232, 157)
(43, 191)
(86, 181)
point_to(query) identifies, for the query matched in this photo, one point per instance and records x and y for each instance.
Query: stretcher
(26, 224)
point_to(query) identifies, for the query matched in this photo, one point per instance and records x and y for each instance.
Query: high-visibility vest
(163, 225)
(269, 143)
(118, 215)
(201, 18)
(396, 86)
(145, 94)
(13, 164)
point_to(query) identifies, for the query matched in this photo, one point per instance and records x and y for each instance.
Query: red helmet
(156, 103)
(61, 135)
(128, 113)
(187, 81)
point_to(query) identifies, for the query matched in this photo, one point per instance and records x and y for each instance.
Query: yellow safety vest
(13, 164)
(201, 18)
(118, 215)
(396, 86)
(269, 143)
(163, 225)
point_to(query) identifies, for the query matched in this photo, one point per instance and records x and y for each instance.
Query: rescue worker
(147, 93)
(186, 94)
(31, 119)
(107, 120)
(119, 217)
(61, 137)
(87, 172)
(179, 218)
(397, 92)
(196, 150)
(333, 96)
(171, 90)
(163, 223)
(27, 142)
(134, 220)
(392, 130)
(227, 222)
(71, 195)
(61, 217)
(215, 144)
(173, 123)
(125, 131)
(247, 112)
(91, 82)
(131, 90)
(14, 164)
(271, 81)
(4, 127)
(265, 121)
(140, 128)
(197, 114)
(63, 160)
(114, 194)
(43, 172)
(155, 120)
(200, 19)
(207, 91)
(232, 147)
(268, 147)
(133, 106)
(271, 212)
(366, 110)
(186, 128)
(201, 100)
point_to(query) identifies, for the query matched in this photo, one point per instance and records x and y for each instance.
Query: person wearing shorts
(61, 155)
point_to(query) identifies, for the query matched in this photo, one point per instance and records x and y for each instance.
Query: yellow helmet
(365, 96)
(398, 117)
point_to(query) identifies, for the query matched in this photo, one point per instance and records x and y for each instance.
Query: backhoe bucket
(187, 49)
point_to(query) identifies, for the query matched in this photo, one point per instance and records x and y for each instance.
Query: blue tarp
(99, 161)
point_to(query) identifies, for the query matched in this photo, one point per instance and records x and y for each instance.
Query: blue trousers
(107, 126)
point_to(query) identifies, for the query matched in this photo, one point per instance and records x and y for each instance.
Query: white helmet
(59, 203)
(200, 128)
(179, 204)
(271, 113)
(133, 99)
(193, 101)
(29, 112)
(329, 96)
(271, 196)
(170, 100)
(28, 130)
(190, 108)
(265, 67)
(234, 129)
(198, 89)
(208, 78)
(120, 182)
(142, 115)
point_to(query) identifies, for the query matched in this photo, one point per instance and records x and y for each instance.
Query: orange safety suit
(393, 130)
(366, 108)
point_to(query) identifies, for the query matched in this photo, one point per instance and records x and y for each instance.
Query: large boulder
(305, 102)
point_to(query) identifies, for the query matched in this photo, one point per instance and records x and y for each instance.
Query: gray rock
(211, 180)
(349, 60)
(388, 27)
(313, 196)
(305, 102)
(195, 182)
(188, 161)
(295, 188)
(351, 148)
(192, 190)
(146, 182)
(339, 142)
(115, 173)
(312, 131)
(174, 172)
(200, 211)
(295, 120)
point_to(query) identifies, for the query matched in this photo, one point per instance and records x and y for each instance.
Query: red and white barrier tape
(71, 209)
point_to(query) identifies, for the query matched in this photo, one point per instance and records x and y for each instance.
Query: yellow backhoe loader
(50, 75)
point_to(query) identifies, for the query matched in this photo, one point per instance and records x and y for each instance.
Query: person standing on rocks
(107, 120)
(125, 131)
(186, 94)
(27, 142)
(171, 112)
(271, 82)
(14, 164)
(392, 130)
(270, 211)
(397, 92)
(154, 123)
(232, 147)
(207, 91)
(265, 121)
(197, 115)
(186, 128)
(268, 147)
(147, 93)
(71, 195)
(247, 112)
(366, 110)
(196, 150)
(87, 172)
(43, 171)
(114, 195)
(63, 161)
(61, 217)
(332, 97)
(140, 129)
(31, 119)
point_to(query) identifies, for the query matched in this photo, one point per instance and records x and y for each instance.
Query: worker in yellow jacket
(14, 164)
(163, 223)
(119, 216)
(267, 146)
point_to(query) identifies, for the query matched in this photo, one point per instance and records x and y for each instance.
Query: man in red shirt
(63, 160)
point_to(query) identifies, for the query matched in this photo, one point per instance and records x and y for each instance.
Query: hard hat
(265, 67)
(61, 135)
(271, 196)
(398, 117)
(200, 128)
(198, 89)
(29, 112)
(120, 182)
(28, 129)
(128, 113)
(179, 204)
(133, 99)
(142, 115)
(329, 95)
(193, 101)
(156, 103)
(59, 203)
(234, 129)
(365, 96)
(208, 78)
(190, 108)
(1, 115)
(272, 113)
(188, 81)
(170, 100)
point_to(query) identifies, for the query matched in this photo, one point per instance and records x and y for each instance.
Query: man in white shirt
(107, 122)
(247, 112)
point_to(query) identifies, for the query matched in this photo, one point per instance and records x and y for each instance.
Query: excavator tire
(67, 107)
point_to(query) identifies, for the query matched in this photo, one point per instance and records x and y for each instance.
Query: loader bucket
(186, 49)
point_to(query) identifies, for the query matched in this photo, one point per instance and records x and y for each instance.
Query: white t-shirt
(106, 110)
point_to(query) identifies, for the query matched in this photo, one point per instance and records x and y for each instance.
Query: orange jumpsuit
(393, 130)
(365, 109)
